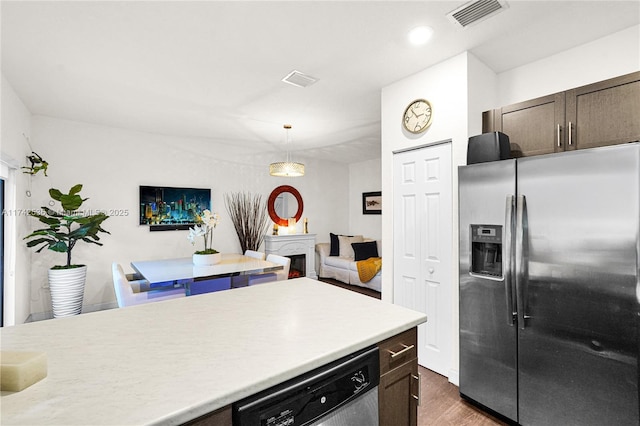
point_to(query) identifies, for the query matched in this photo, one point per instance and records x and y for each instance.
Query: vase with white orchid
(206, 223)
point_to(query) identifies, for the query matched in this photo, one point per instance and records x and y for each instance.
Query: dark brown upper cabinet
(598, 114)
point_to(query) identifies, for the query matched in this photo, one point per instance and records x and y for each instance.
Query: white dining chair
(243, 280)
(282, 274)
(255, 254)
(126, 296)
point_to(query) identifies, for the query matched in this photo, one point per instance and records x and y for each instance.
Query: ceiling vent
(299, 79)
(476, 11)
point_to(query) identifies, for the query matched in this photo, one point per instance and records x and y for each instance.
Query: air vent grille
(299, 79)
(476, 11)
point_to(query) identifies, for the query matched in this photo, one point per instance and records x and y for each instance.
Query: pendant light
(286, 168)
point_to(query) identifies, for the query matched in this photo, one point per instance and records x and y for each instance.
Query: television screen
(166, 208)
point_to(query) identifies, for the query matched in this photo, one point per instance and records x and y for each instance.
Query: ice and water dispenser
(486, 250)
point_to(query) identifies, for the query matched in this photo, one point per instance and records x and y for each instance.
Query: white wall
(364, 177)
(14, 147)
(611, 56)
(111, 163)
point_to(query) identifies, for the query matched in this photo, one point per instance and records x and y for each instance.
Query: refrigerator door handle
(507, 258)
(521, 206)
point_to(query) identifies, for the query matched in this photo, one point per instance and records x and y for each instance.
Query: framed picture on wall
(166, 208)
(372, 202)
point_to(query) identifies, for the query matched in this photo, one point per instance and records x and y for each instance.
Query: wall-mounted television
(166, 208)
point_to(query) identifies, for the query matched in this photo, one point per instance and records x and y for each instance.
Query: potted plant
(63, 230)
(206, 223)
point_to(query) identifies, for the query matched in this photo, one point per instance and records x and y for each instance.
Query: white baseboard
(454, 377)
(40, 316)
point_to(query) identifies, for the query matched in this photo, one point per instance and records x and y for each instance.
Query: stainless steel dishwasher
(344, 392)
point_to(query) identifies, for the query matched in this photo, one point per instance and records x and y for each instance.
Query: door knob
(431, 270)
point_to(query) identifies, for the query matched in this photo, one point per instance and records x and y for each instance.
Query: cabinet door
(397, 395)
(534, 127)
(604, 113)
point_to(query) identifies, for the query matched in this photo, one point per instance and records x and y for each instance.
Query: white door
(422, 230)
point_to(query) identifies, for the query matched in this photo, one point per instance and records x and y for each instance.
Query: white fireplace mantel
(289, 245)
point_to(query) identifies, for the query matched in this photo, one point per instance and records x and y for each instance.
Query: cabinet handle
(570, 134)
(401, 352)
(558, 136)
(419, 379)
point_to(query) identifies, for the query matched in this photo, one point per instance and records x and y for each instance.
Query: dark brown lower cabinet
(220, 417)
(398, 391)
(398, 399)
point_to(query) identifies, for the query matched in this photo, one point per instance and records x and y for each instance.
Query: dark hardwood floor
(441, 404)
(357, 289)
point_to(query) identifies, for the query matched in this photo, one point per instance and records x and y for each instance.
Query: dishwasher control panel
(311, 396)
(284, 418)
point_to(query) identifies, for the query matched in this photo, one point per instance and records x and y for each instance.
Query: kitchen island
(174, 361)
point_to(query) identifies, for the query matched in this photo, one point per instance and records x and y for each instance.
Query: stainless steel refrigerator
(550, 288)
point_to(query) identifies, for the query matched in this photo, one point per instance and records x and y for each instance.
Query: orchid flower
(207, 222)
(196, 231)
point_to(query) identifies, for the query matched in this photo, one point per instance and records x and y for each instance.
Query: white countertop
(172, 361)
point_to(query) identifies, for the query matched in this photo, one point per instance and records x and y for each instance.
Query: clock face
(417, 116)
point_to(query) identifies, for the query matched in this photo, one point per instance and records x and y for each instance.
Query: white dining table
(183, 271)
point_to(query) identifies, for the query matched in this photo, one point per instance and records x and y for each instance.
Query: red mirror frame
(271, 205)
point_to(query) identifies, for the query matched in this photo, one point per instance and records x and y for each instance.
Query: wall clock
(417, 117)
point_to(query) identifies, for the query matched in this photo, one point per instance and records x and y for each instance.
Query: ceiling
(212, 70)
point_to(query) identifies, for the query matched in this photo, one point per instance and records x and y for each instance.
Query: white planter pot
(206, 259)
(67, 290)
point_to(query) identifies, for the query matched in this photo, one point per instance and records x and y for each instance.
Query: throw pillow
(345, 245)
(365, 250)
(335, 244)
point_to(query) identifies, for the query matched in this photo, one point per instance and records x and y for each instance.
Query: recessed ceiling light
(420, 35)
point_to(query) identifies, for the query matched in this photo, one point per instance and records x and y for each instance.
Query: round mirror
(285, 202)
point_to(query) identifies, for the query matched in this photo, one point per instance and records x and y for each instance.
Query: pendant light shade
(286, 168)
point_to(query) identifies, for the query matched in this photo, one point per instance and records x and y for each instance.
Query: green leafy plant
(66, 227)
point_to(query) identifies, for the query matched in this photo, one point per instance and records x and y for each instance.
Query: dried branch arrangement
(249, 216)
